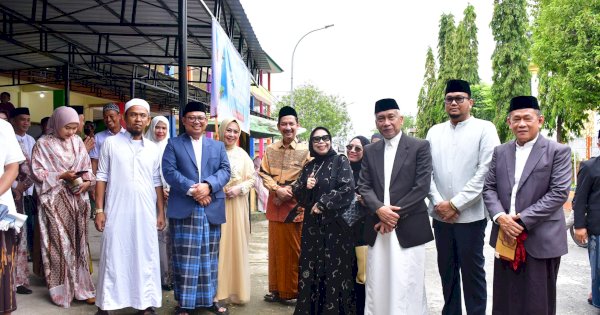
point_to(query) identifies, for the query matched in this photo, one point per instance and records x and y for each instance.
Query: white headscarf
(150, 133)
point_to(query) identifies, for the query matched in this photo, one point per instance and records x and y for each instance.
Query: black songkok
(385, 104)
(521, 102)
(194, 107)
(19, 111)
(458, 86)
(286, 111)
(78, 109)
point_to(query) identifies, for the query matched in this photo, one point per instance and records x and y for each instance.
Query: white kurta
(129, 273)
(395, 275)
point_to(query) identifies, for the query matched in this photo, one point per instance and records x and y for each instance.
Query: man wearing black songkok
(461, 150)
(280, 167)
(393, 182)
(527, 184)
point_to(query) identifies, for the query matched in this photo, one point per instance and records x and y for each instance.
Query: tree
(432, 96)
(315, 108)
(510, 59)
(467, 48)
(566, 47)
(424, 111)
(483, 107)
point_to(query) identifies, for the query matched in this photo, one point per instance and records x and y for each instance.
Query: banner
(230, 82)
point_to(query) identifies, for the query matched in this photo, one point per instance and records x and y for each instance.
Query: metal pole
(182, 62)
(67, 84)
(293, 53)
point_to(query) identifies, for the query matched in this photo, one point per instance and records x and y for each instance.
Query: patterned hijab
(61, 117)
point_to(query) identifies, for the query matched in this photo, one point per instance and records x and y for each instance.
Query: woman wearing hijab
(63, 173)
(355, 151)
(325, 189)
(159, 134)
(234, 264)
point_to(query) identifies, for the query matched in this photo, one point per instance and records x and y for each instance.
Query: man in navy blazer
(526, 186)
(197, 169)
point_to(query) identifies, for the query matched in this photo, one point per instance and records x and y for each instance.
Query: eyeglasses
(458, 99)
(517, 120)
(317, 139)
(195, 118)
(356, 148)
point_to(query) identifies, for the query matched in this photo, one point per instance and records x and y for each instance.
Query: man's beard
(454, 116)
(134, 133)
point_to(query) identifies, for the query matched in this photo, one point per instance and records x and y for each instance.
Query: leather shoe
(23, 290)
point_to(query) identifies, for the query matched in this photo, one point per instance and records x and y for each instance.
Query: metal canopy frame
(114, 48)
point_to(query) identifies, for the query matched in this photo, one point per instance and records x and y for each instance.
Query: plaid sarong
(195, 259)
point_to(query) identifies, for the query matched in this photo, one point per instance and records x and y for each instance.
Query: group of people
(174, 211)
(467, 176)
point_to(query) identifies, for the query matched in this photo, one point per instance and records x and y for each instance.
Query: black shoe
(167, 287)
(23, 290)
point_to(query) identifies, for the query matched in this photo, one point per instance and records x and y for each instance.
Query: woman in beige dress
(234, 267)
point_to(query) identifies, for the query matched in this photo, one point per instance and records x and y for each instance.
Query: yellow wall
(42, 107)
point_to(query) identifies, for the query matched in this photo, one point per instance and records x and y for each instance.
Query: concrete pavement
(573, 282)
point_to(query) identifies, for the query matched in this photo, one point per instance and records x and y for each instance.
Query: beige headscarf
(223, 127)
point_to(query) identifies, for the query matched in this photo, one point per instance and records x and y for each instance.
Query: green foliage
(566, 47)
(315, 108)
(425, 113)
(457, 59)
(409, 122)
(483, 107)
(510, 59)
(466, 50)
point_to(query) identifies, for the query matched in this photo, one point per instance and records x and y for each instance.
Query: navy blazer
(181, 172)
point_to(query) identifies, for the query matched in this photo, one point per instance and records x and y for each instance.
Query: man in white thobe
(129, 174)
(394, 181)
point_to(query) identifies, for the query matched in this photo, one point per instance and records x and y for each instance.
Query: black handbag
(354, 212)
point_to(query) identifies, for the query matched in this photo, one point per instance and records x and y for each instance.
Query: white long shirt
(129, 273)
(11, 153)
(391, 146)
(461, 156)
(521, 155)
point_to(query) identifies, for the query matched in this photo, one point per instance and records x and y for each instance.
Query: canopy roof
(116, 47)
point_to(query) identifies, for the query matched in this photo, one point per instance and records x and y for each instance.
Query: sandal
(149, 311)
(216, 308)
(181, 311)
(272, 297)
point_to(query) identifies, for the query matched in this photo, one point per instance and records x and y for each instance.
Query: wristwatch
(99, 210)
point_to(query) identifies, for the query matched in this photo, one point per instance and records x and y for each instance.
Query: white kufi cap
(138, 102)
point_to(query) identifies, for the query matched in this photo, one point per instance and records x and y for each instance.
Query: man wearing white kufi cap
(129, 215)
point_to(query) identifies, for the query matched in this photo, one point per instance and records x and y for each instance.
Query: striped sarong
(195, 259)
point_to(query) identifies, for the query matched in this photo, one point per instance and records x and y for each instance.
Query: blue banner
(230, 82)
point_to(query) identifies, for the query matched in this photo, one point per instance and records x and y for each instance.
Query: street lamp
(293, 53)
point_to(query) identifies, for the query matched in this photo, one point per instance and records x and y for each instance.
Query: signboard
(230, 86)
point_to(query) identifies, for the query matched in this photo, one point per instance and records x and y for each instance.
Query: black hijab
(356, 165)
(318, 157)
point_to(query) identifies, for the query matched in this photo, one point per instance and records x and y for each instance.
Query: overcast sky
(375, 50)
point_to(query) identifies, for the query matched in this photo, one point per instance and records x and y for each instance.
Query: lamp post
(293, 53)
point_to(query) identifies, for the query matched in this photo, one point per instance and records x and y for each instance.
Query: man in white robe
(394, 181)
(129, 272)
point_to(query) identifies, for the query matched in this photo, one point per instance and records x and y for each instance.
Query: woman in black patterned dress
(325, 189)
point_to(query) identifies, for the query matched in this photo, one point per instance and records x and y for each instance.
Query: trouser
(460, 252)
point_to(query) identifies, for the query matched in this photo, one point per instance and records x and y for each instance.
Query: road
(573, 282)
